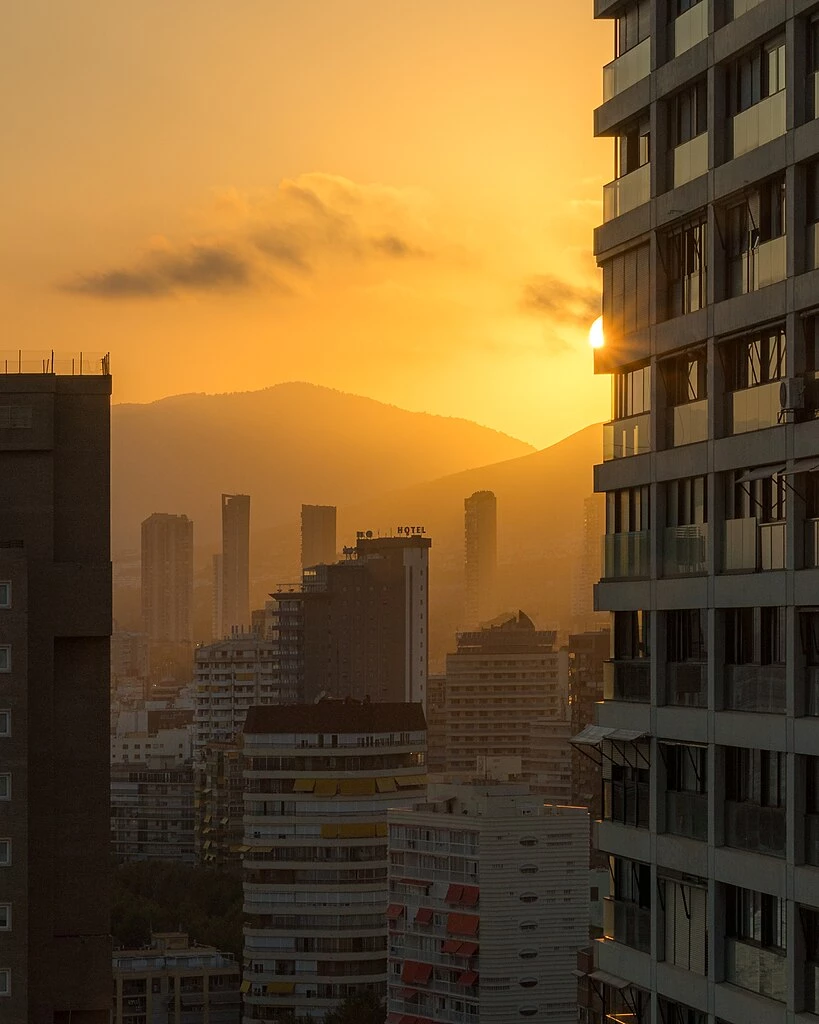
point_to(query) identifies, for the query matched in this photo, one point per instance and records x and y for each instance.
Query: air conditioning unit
(792, 393)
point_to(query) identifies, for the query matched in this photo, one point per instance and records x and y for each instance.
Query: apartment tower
(318, 535)
(167, 592)
(55, 625)
(481, 536)
(708, 735)
(235, 564)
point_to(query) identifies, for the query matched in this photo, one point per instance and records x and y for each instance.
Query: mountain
(283, 445)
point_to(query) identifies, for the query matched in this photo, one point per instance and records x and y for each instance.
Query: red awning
(394, 911)
(415, 973)
(467, 949)
(408, 971)
(468, 978)
(470, 895)
(451, 946)
(423, 972)
(424, 916)
(408, 993)
(462, 924)
(454, 893)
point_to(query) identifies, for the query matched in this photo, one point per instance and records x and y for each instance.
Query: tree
(364, 1008)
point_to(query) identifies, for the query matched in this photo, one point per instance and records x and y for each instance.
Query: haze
(393, 199)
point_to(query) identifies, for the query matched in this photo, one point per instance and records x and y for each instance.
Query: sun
(596, 337)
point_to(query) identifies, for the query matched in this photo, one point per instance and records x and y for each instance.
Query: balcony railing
(812, 987)
(740, 548)
(759, 124)
(685, 549)
(741, 7)
(627, 680)
(627, 193)
(688, 423)
(756, 268)
(625, 437)
(812, 247)
(626, 802)
(749, 826)
(627, 69)
(754, 408)
(812, 690)
(811, 543)
(690, 159)
(812, 839)
(686, 814)
(755, 688)
(691, 27)
(756, 968)
(627, 923)
(686, 684)
(626, 554)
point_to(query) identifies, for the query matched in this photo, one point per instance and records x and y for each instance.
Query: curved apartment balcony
(627, 555)
(755, 408)
(686, 684)
(756, 968)
(755, 688)
(627, 69)
(749, 826)
(690, 28)
(686, 814)
(690, 159)
(688, 423)
(761, 123)
(625, 437)
(685, 550)
(627, 193)
(627, 680)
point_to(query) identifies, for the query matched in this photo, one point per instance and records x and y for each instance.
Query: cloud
(268, 240)
(560, 301)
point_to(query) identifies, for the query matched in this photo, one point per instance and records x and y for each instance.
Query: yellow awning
(245, 986)
(326, 787)
(381, 828)
(304, 785)
(356, 831)
(329, 831)
(386, 785)
(280, 988)
(405, 781)
(358, 787)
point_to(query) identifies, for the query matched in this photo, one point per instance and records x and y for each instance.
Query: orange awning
(454, 893)
(462, 924)
(423, 916)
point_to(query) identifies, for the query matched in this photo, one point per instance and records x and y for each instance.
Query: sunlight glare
(596, 337)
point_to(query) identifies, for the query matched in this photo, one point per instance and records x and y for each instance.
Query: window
(632, 148)
(5, 723)
(685, 768)
(528, 926)
(528, 954)
(5, 786)
(5, 594)
(5, 917)
(755, 917)
(5, 981)
(756, 75)
(687, 501)
(631, 392)
(632, 26)
(678, 7)
(685, 377)
(758, 218)
(686, 635)
(627, 511)
(631, 635)
(755, 776)
(627, 292)
(689, 113)
(5, 852)
(528, 897)
(527, 982)
(686, 260)
(5, 658)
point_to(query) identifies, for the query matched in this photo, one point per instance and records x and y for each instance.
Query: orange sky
(390, 197)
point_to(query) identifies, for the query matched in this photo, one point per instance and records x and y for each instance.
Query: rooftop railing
(78, 364)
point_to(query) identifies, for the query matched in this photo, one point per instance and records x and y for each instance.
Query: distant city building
(219, 806)
(167, 593)
(235, 565)
(55, 624)
(588, 654)
(129, 659)
(174, 982)
(216, 630)
(358, 627)
(152, 807)
(481, 529)
(436, 723)
(502, 681)
(548, 763)
(489, 903)
(587, 570)
(319, 779)
(318, 535)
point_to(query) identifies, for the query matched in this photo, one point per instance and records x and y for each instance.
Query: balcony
(627, 680)
(628, 923)
(749, 826)
(755, 408)
(688, 423)
(812, 690)
(627, 193)
(686, 684)
(690, 28)
(758, 267)
(759, 124)
(626, 802)
(628, 69)
(812, 248)
(685, 550)
(812, 987)
(626, 555)
(756, 968)
(755, 688)
(812, 839)
(630, 436)
(686, 814)
(690, 158)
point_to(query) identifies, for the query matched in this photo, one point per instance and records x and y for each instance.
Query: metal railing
(87, 364)
(628, 923)
(755, 688)
(686, 814)
(685, 549)
(686, 684)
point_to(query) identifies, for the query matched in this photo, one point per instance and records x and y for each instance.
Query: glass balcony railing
(688, 423)
(691, 27)
(741, 7)
(757, 268)
(686, 814)
(685, 550)
(739, 552)
(755, 688)
(771, 546)
(630, 436)
(627, 69)
(686, 684)
(811, 543)
(627, 680)
(691, 158)
(749, 826)
(626, 554)
(759, 124)
(812, 987)
(628, 923)
(812, 839)
(627, 193)
(812, 248)
(753, 967)
(754, 408)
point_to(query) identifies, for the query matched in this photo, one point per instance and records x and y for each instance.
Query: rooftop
(336, 716)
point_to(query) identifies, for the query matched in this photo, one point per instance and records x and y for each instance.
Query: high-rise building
(318, 535)
(235, 565)
(167, 593)
(55, 619)
(501, 681)
(359, 627)
(481, 531)
(315, 864)
(586, 572)
(588, 656)
(216, 630)
(489, 902)
(709, 258)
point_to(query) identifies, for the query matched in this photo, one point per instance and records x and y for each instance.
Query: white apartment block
(489, 904)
